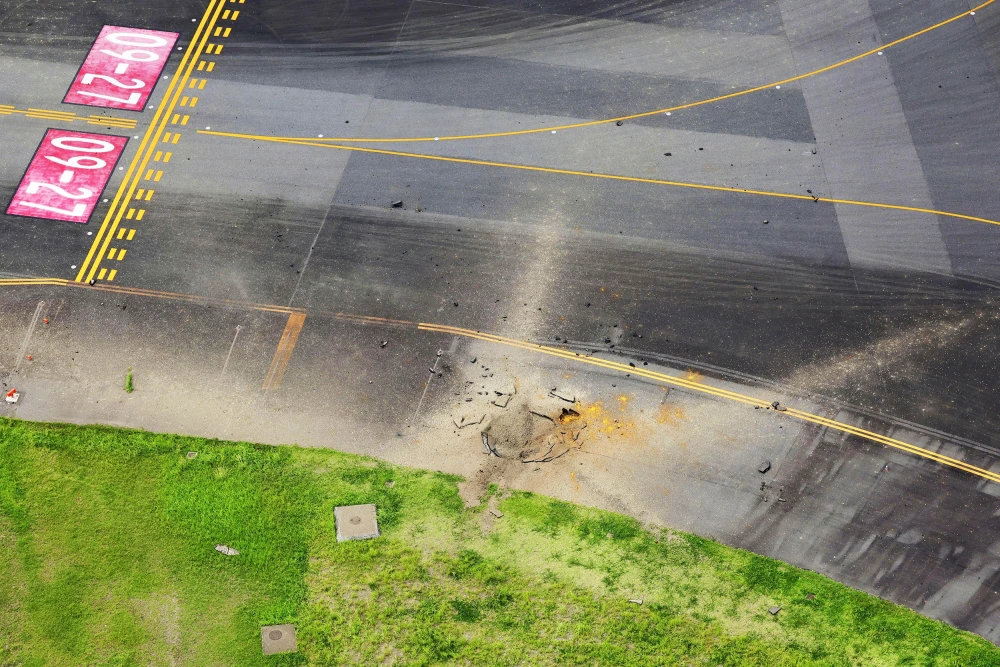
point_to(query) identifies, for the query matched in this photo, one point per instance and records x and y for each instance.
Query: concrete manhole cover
(356, 522)
(277, 639)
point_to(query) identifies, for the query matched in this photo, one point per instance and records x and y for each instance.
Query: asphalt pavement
(829, 284)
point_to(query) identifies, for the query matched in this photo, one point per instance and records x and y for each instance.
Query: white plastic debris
(226, 551)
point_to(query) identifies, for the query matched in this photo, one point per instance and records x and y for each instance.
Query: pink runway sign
(122, 68)
(67, 175)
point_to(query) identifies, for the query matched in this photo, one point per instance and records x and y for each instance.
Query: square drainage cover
(356, 522)
(278, 639)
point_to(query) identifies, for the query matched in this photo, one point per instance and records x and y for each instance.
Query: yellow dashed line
(177, 137)
(138, 216)
(201, 86)
(210, 67)
(159, 175)
(149, 195)
(166, 158)
(184, 101)
(102, 274)
(226, 32)
(194, 101)
(130, 214)
(111, 276)
(131, 235)
(121, 254)
(139, 162)
(121, 233)
(184, 121)
(201, 65)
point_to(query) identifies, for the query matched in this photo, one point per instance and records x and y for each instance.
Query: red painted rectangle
(122, 68)
(67, 175)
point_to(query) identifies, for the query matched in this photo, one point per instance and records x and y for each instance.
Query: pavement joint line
(601, 175)
(875, 51)
(150, 139)
(664, 378)
(27, 337)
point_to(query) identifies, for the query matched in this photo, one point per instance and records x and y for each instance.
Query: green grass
(107, 543)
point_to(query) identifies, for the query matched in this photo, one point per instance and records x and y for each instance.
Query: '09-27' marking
(66, 176)
(122, 68)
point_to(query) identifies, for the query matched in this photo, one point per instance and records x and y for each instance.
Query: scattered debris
(383, 343)
(397, 204)
(568, 414)
(778, 406)
(501, 401)
(192, 455)
(620, 123)
(12, 396)
(356, 522)
(563, 396)
(390, 484)
(773, 611)
(810, 596)
(497, 513)
(667, 154)
(473, 360)
(277, 639)
(226, 551)
(764, 466)
(636, 601)
(488, 449)
(464, 421)
(766, 221)
(813, 151)
(543, 416)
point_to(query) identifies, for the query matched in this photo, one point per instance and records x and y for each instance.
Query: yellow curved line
(591, 174)
(643, 114)
(722, 393)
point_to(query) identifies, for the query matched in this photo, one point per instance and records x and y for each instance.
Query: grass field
(107, 554)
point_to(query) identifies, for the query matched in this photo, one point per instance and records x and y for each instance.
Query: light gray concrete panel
(864, 143)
